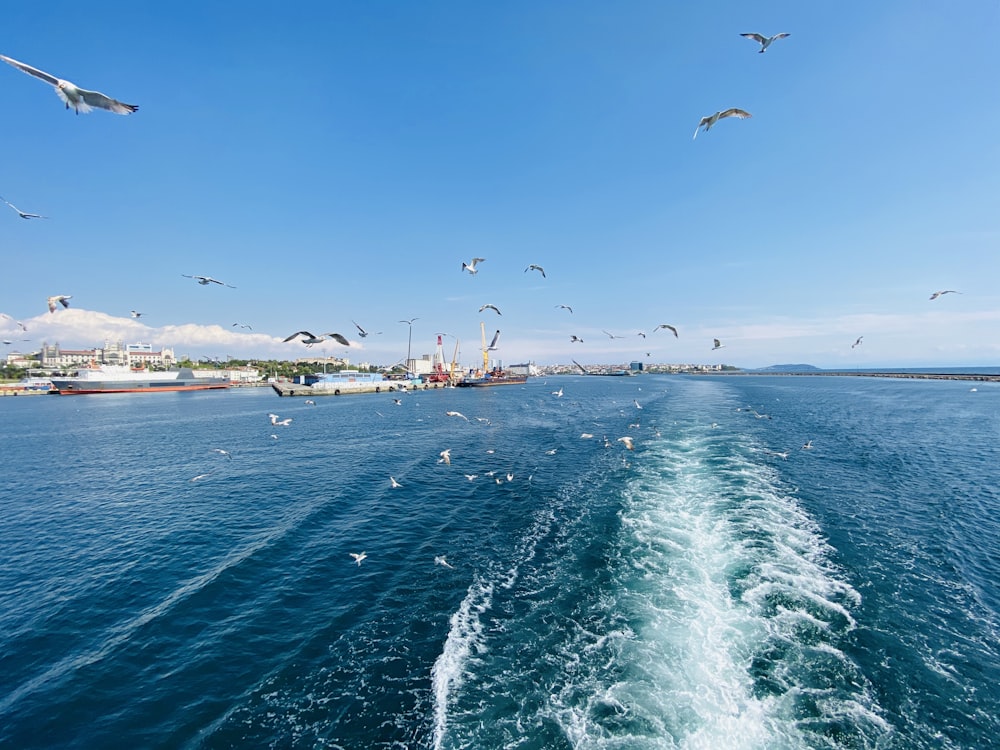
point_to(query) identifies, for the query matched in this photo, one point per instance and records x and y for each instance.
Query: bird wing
(782, 35)
(30, 70)
(734, 112)
(102, 101)
(361, 330)
(493, 343)
(300, 333)
(338, 338)
(669, 328)
(756, 37)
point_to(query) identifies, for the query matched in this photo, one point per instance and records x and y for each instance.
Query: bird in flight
(764, 41)
(493, 343)
(445, 457)
(394, 483)
(358, 556)
(944, 291)
(533, 267)
(611, 335)
(59, 299)
(362, 332)
(717, 344)
(471, 267)
(668, 327)
(628, 442)
(574, 339)
(491, 307)
(223, 452)
(21, 213)
(242, 325)
(565, 307)
(308, 339)
(81, 100)
(439, 560)
(280, 422)
(206, 280)
(456, 414)
(709, 120)
(857, 342)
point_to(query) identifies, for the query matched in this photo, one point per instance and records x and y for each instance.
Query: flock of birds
(84, 100)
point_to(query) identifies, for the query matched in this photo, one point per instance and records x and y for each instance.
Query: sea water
(718, 586)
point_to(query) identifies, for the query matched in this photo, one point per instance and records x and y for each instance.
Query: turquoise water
(717, 586)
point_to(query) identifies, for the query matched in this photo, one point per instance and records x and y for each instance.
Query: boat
(486, 377)
(123, 379)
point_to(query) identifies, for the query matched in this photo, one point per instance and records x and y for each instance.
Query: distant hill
(789, 368)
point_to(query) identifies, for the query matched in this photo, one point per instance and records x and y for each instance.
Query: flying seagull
(223, 452)
(710, 120)
(308, 339)
(668, 327)
(358, 556)
(21, 213)
(493, 343)
(764, 41)
(565, 307)
(611, 335)
(439, 560)
(533, 267)
(471, 267)
(362, 332)
(445, 457)
(456, 414)
(945, 291)
(857, 341)
(81, 100)
(242, 325)
(59, 299)
(206, 280)
(491, 307)
(717, 344)
(628, 442)
(135, 314)
(394, 483)
(574, 338)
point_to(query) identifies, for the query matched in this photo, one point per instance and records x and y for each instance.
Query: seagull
(358, 556)
(361, 331)
(640, 333)
(493, 343)
(394, 483)
(199, 477)
(807, 445)
(21, 213)
(456, 414)
(81, 100)
(565, 307)
(206, 280)
(135, 314)
(59, 299)
(471, 267)
(19, 323)
(628, 442)
(636, 402)
(491, 307)
(558, 394)
(445, 457)
(470, 477)
(764, 41)
(586, 435)
(611, 335)
(280, 422)
(710, 120)
(308, 339)
(533, 267)
(668, 327)
(857, 342)
(225, 453)
(242, 325)
(717, 344)
(945, 291)
(397, 402)
(574, 339)
(439, 560)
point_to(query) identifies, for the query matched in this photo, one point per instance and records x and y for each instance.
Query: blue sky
(338, 161)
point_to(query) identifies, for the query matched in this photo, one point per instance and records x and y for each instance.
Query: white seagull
(710, 120)
(225, 453)
(206, 280)
(362, 332)
(494, 308)
(565, 307)
(456, 414)
(135, 314)
(21, 213)
(59, 299)
(533, 267)
(493, 343)
(394, 483)
(717, 344)
(439, 560)
(944, 291)
(628, 442)
(857, 341)
(242, 325)
(81, 100)
(668, 327)
(358, 556)
(764, 41)
(471, 267)
(308, 339)
(574, 339)
(445, 457)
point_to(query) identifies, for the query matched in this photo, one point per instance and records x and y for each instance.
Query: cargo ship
(486, 377)
(122, 379)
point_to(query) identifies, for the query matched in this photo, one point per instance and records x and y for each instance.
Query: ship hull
(490, 382)
(69, 388)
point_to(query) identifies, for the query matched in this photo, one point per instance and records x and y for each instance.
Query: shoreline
(978, 377)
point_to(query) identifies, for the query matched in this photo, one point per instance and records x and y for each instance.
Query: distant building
(635, 366)
(53, 357)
